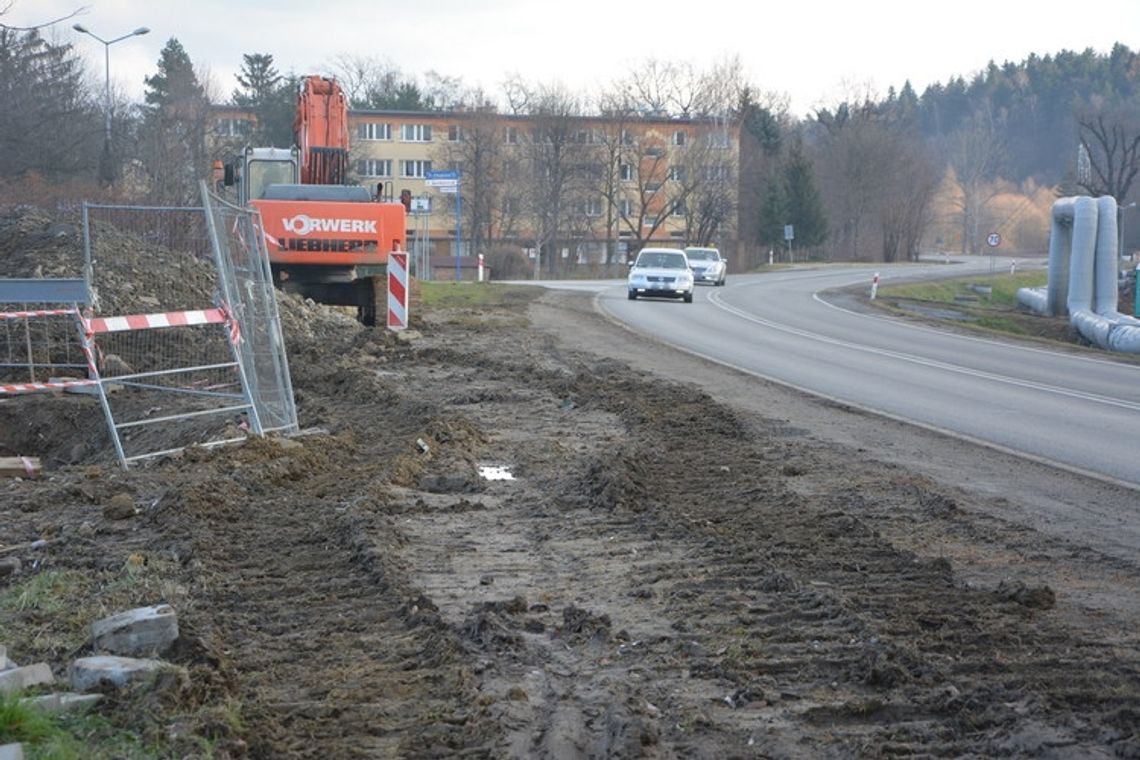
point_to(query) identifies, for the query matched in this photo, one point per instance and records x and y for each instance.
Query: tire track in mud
(329, 656)
(725, 613)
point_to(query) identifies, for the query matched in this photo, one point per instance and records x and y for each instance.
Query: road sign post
(447, 181)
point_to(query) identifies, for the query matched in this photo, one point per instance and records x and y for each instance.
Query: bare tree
(865, 169)
(43, 25)
(1113, 146)
(556, 159)
(365, 79)
(976, 154)
(477, 151)
(906, 210)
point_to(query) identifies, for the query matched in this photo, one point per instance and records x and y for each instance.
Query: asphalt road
(1067, 409)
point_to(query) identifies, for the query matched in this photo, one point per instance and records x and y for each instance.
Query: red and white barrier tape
(150, 321)
(32, 387)
(36, 313)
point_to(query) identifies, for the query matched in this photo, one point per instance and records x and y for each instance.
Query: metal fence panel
(246, 284)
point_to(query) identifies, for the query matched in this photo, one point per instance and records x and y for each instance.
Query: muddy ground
(687, 562)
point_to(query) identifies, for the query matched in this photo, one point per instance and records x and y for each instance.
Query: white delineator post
(397, 290)
(874, 286)
(1013, 267)
(480, 267)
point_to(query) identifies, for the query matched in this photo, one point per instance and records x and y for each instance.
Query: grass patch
(1003, 289)
(461, 295)
(20, 722)
(49, 592)
(64, 737)
(986, 303)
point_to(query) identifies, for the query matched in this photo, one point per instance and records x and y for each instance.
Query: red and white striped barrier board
(34, 387)
(147, 321)
(397, 290)
(37, 313)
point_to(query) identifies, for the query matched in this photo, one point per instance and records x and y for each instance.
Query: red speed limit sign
(993, 240)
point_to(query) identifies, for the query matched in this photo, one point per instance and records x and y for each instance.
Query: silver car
(707, 265)
(661, 273)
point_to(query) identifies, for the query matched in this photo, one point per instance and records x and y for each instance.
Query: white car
(661, 273)
(707, 265)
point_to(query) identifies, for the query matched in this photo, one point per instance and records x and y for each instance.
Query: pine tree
(270, 97)
(259, 80)
(174, 130)
(773, 213)
(805, 209)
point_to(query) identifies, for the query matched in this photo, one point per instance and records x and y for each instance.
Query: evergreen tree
(259, 80)
(174, 129)
(773, 213)
(805, 208)
(176, 85)
(270, 97)
(50, 124)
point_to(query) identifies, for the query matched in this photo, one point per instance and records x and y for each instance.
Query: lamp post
(105, 169)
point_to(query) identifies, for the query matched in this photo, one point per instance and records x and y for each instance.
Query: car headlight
(637, 279)
(685, 279)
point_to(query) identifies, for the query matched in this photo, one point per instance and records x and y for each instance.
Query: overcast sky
(813, 51)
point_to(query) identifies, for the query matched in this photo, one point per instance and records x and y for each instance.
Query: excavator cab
(258, 168)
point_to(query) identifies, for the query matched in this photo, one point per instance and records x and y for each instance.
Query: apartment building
(578, 189)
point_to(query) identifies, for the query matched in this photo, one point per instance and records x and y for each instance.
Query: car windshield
(662, 260)
(702, 255)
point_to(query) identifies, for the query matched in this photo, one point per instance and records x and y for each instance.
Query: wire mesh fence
(39, 344)
(248, 296)
(142, 259)
(174, 322)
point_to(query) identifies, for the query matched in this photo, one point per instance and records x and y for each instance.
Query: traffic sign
(993, 240)
(448, 178)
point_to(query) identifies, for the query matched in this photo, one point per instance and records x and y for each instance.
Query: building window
(591, 207)
(415, 132)
(677, 173)
(679, 137)
(625, 172)
(374, 130)
(414, 169)
(584, 136)
(717, 172)
(717, 139)
(374, 167)
(513, 135)
(626, 137)
(679, 209)
(511, 206)
(453, 133)
(233, 127)
(655, 151)
(625, 208)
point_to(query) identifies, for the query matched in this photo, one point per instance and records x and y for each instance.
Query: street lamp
(105, 172)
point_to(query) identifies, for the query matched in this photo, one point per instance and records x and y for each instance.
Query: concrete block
(67, 702)
(88, 673)
(18, 679)
(141, 632)
(12, 752)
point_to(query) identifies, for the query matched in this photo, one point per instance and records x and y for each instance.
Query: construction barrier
(204, 368)
(397, 290)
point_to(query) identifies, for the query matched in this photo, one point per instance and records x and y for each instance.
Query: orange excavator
(327, 240)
